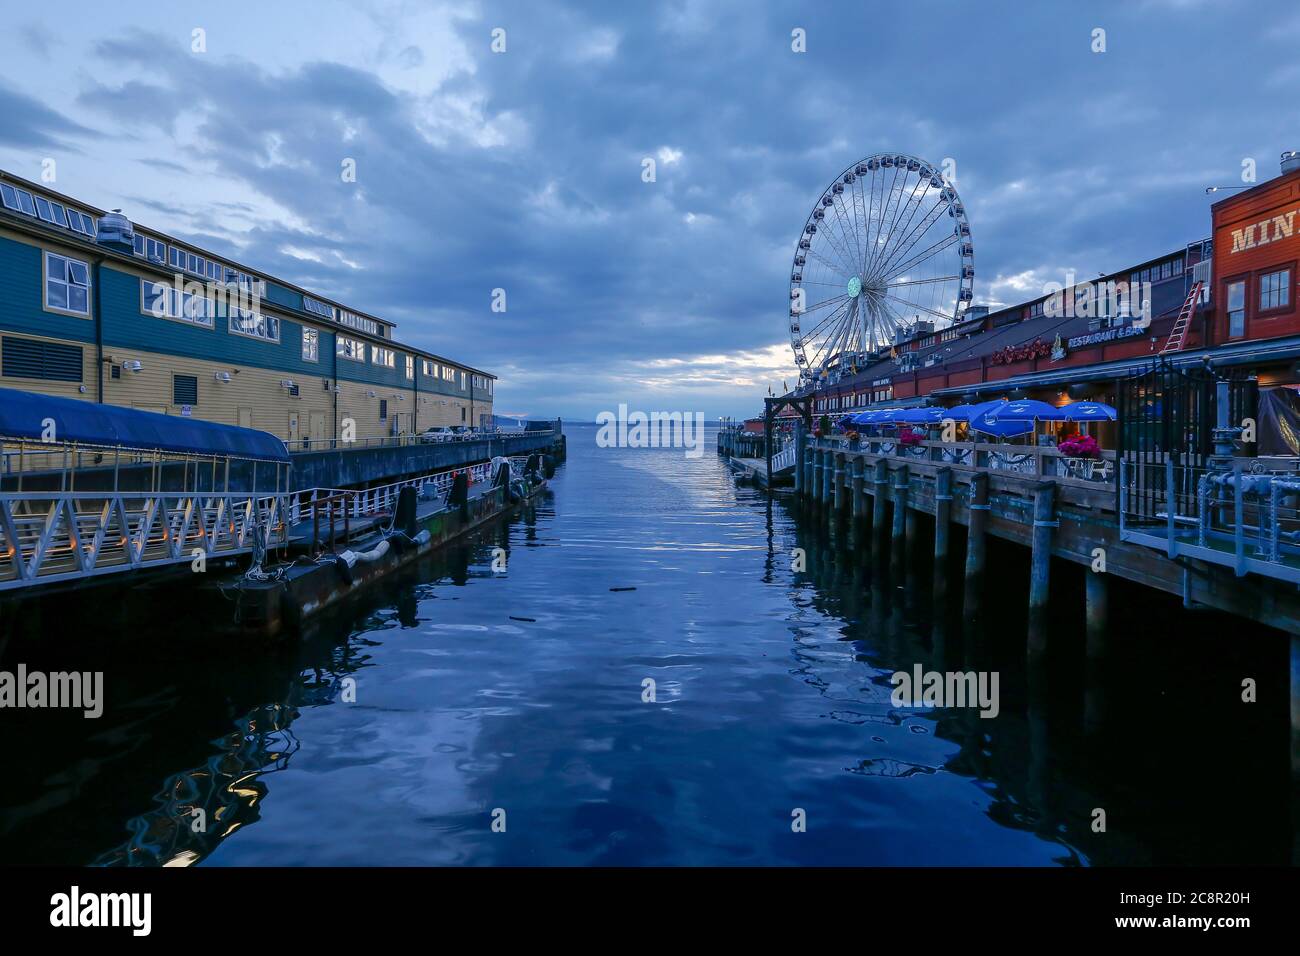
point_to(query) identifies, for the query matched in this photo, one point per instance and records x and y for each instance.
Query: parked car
(463, 432)
(438, 433)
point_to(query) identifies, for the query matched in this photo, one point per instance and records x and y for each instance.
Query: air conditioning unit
(223, 377)
(132, 366)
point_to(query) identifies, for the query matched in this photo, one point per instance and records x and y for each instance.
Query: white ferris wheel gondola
(887, 245)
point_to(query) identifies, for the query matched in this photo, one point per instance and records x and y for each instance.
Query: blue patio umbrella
(987, 418)
(919, 416)
(964, 413)
(1028, 410)
(1089, 412)
(877, 416)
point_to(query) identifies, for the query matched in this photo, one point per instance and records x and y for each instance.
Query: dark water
(522, 692)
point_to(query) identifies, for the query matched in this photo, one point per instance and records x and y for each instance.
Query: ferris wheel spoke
(873, 253)
(838, 270)
(917, 305)
(908, 232)
(909, 203)
(823, 303)
(930, 251)
(823, 323)
(841, 250)
(849, 226)
(915, 235)
(907, 282)
(823, 351)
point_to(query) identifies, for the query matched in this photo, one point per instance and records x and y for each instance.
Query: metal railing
(404, 440)
(785, 458)
(382, 499)
(1028, 461)
(1244, 519)
(55, 536)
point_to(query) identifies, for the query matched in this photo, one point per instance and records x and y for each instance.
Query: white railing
(55, 536)
(785, 458)
(382, 499)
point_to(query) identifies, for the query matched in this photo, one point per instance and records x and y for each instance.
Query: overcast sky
(522, 170)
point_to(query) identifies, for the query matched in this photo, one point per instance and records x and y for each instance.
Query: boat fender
(343, 567)
(423, 538)
(374, 554)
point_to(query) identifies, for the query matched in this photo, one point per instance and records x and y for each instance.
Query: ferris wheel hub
(854, 287)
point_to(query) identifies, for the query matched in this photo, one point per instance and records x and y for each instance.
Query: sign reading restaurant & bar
(1109, 335)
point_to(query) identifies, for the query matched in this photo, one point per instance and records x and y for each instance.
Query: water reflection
(523, 691)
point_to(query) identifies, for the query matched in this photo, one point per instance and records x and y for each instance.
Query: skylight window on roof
(26, 203)
(317, 307)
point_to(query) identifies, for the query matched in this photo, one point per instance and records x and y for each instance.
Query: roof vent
(1290, 161)
(116, 232)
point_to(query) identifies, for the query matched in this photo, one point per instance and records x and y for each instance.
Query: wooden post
(942, 516)
(898, 544)
(976, 543)
(1040, 567)
(859, 501)
(840, 476)
(817, 464)
(798, 459)
(878, 526)
(828, 479)
(1094, 586)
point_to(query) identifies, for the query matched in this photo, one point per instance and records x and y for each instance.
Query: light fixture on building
(132, 365)
(286, 383)
(370, 394)
(222, 377)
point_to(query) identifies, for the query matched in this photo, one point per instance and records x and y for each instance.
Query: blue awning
(23, 415)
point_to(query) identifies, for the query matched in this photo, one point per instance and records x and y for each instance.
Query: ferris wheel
(886, 246)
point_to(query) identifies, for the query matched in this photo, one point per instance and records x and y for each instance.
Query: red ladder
(1178, 334)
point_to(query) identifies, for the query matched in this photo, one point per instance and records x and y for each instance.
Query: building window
(310, 345)
(152, 249)
(50, 361)
(67, 285)
(354, 321)
(1236, 308)
(410, 367)
(384, 357)
(1275, 290)
(448, 374)
(317, 307)
(383, 409)
(255, 325)
(348, 348)
(429, 368)
(462, 381)
(162, 301)
(185, 389)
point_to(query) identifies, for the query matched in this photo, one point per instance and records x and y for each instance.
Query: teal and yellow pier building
(97, 307)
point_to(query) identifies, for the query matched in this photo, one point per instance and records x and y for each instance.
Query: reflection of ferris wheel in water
(886, 246)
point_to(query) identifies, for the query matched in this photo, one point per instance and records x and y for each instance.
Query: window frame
(45, 286)
(314, 336)
(210, 312)
(1228, 283)
(1287, 288)
(339, 340)
(234, 314)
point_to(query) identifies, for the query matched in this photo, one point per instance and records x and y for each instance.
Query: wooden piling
(879, 527)
(898, 545)
(799, 452)
(841, 483)
(815, 485)
(1040, 566)
(857, 470)
(828, 480)
(942, 516)
(1095, 613)
(976, 543)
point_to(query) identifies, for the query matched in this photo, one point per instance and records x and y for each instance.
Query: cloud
(522, 170)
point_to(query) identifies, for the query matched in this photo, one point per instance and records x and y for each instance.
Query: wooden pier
(1055, 515)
